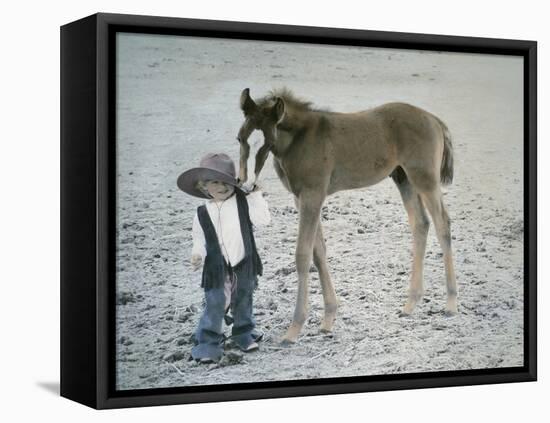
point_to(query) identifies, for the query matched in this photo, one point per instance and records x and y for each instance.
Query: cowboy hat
(212, 167)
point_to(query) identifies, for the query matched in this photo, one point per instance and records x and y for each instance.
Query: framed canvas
(415, 154)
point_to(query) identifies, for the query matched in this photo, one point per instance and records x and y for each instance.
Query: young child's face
(218, 190)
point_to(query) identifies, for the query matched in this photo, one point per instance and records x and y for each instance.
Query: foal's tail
(447, 161)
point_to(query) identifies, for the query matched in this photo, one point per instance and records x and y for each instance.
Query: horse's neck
(282, 142)
(288, 130)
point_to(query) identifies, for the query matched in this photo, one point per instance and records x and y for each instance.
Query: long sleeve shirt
(225, 218)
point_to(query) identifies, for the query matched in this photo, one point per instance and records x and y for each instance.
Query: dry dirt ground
(178, 99)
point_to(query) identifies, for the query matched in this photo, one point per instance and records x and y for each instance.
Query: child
(223, 239)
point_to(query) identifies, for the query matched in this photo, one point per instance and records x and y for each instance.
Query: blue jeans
(209, 336)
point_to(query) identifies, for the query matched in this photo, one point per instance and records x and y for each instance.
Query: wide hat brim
(188, 180)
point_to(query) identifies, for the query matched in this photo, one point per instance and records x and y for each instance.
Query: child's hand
(196, 261)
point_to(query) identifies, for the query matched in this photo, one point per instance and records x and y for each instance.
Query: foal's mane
(290, 100)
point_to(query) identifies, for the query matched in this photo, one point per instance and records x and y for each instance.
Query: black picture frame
(88, 201)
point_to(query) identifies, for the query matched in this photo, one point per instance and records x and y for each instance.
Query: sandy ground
(178, 99)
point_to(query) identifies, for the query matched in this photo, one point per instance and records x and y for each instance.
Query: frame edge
(78, 211)
(104, 400)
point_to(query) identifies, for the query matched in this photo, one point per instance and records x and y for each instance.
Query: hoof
(291, 335)
(450, 313)
(286, 342)
(404, 314)
(409, 307)
(327, 325)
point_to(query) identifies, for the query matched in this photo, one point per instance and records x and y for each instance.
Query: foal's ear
(279, 109)
(248, 105)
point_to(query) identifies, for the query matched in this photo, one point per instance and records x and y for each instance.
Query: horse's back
(384, 130)
(407, 128)
(419, 141)
(370, 144)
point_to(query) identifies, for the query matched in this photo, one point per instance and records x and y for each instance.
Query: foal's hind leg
(329, 295)
(433, 201)
(419, 223)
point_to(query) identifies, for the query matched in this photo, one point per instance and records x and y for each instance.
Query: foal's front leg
(261, 157)
(243, 161)
(310, 210)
